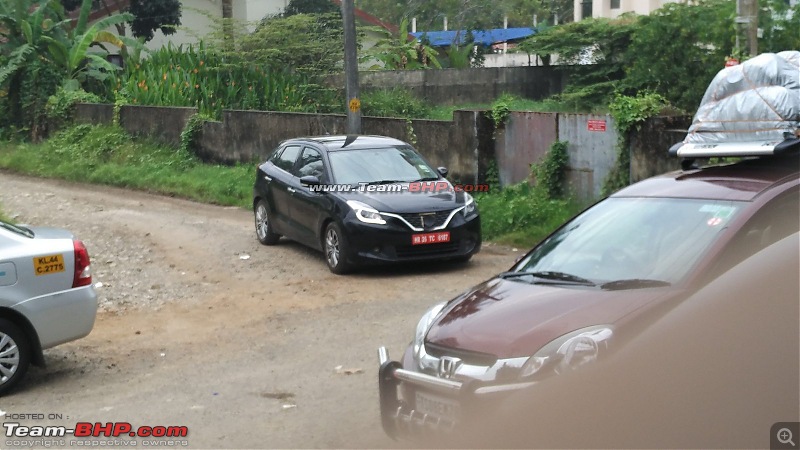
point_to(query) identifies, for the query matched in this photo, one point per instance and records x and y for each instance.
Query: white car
(46, 296)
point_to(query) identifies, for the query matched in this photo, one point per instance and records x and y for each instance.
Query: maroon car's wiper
(633, 283)
(560, 277)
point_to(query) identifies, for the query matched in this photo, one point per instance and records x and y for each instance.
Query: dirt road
(201, 326)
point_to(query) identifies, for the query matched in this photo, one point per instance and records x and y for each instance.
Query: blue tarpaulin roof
(483, 37)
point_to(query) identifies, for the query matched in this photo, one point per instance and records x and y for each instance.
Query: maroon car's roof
(741, 181)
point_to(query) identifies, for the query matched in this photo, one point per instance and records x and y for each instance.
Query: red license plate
(430, 238)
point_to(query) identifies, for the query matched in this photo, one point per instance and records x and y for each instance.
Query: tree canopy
(148, 15)
(310, 7)
(674, 52)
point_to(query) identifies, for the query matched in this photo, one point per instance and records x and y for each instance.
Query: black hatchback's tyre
(264, 230)
(15, 355)
(334, 244)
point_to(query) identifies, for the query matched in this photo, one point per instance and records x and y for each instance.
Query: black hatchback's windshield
(389, 164)
(641, 241)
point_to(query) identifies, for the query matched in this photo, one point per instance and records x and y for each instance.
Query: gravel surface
(199, 325)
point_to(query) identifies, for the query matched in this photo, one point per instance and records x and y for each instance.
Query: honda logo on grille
(448, 366)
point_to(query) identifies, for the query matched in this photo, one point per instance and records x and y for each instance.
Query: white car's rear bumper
(62, 316)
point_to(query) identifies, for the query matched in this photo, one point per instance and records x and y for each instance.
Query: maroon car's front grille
(466, 356)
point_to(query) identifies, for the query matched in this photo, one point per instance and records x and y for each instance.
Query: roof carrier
(752, 109)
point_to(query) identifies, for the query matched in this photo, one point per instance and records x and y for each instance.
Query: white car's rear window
(17, 230)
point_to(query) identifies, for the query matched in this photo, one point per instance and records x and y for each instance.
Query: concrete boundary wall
(467, 145)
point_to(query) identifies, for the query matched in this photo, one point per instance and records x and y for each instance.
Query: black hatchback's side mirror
(310, 180)
(443, 171)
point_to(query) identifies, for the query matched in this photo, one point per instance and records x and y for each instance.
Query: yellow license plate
(45, 265)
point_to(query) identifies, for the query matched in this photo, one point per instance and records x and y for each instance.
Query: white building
(196, 18)
(612, 9)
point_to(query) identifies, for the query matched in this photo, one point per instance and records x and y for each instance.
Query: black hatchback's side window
(285, 159)
(310, 164)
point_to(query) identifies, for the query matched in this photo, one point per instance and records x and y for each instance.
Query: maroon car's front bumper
(400, 418)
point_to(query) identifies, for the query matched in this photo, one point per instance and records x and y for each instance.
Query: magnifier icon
(785, 436)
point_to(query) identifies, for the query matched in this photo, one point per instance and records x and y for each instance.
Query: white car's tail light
(83, 270)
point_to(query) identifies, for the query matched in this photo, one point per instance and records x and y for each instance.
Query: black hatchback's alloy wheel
(336, 250)
(264, 231)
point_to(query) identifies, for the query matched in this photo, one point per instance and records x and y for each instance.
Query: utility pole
(351, 68)
(747, 25)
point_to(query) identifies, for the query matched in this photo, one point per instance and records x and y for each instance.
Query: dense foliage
(174, 76)
(397, 52)
(40, 51)
(310, 7)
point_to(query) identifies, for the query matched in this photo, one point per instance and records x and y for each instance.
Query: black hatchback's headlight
(469, 205)
(366, 213)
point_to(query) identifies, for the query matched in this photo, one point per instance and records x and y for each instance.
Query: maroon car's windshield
(656, 239)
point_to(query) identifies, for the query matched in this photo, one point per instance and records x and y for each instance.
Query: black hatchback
(363, 200)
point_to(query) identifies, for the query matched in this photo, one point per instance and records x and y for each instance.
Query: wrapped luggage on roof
(749, 109)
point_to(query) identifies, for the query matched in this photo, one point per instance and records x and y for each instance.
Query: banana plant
(25, 35)
(401, 53)
(72, 54)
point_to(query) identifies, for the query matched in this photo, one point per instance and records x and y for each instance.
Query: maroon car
(597, 280)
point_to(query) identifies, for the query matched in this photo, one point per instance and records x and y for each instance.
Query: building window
(614, 4)
(586, 9)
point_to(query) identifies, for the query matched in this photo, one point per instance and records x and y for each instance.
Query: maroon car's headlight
(424, 325)
(570, 351)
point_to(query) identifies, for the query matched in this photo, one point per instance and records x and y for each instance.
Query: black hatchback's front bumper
(393, 242)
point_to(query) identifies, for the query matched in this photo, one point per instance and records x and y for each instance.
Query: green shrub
(522, 214)
(551, 173)
(629, 112)
(60, 105)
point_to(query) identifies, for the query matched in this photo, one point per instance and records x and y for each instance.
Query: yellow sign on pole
(355, 104)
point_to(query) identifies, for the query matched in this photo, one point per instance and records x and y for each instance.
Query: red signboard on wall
(596, 125)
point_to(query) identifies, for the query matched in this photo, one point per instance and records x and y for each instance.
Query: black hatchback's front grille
(416, 251)
(427, 220)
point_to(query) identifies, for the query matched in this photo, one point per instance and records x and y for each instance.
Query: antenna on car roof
(350, 139)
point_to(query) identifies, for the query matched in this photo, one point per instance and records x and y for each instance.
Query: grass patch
(108, 155)
(522, 215)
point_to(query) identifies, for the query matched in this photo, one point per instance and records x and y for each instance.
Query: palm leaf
(15, 61)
